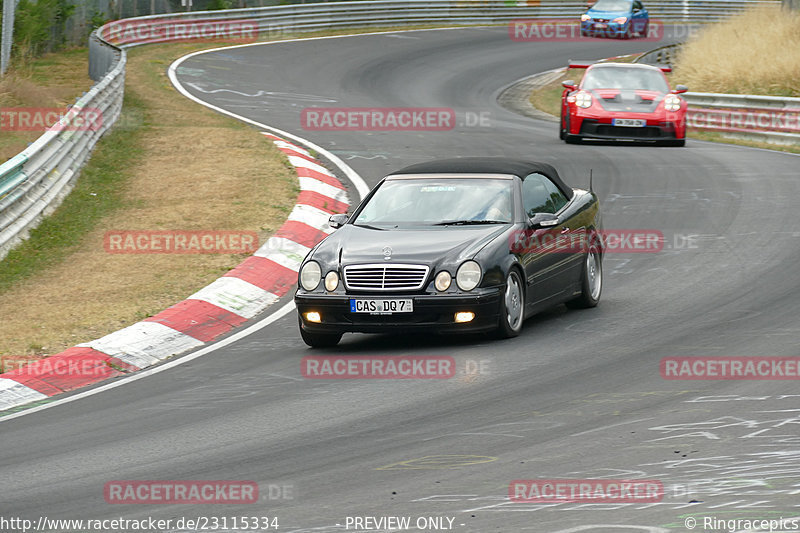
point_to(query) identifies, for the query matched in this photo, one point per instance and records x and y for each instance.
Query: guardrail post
(7, 37)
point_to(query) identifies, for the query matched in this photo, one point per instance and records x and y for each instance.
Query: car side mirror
(543, 220)
(680, 89)
(569, 84)
(337, 221)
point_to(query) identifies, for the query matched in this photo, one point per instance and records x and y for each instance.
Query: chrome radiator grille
(385, 277)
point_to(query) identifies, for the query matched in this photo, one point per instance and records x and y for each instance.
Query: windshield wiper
(468, 222)
(369, 227)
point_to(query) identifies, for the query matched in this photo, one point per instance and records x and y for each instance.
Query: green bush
(97, 20)
(39, 27)
(219, 4)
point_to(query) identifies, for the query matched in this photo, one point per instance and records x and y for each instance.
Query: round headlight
(468, 275)
(672, 103)
(585, 17)
(310, 275)
(331, 281)
(443, 280)
(583, 99)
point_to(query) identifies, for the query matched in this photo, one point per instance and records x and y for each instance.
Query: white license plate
(381, 307)
(600, 26)
(629, 122)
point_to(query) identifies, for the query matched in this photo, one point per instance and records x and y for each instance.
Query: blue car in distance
(616, 18)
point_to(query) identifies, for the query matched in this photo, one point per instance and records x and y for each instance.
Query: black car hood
(628, 100)
(352, 244)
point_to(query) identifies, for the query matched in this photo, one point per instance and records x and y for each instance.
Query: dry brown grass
(54, 80)
(757, 52)
(199, 170)
(548, 97)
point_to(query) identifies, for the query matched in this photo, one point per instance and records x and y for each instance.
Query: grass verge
(756, 52)
(170, 165)
(548, 99)
(52, 81)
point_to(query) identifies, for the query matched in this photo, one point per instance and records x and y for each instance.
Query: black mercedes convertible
(458, 245)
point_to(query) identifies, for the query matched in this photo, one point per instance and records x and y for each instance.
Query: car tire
(319, 340)
(568, 137)
(562, 131)
(512, 306)
(591, 281)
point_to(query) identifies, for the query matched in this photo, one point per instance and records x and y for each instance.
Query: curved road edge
(213, 311)
(516, 98)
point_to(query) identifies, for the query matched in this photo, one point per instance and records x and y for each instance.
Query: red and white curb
(241, 294)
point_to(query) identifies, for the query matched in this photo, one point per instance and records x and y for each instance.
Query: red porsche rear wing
(577, 63)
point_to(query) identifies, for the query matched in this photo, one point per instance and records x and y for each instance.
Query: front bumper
(652, 131)
(434, 312)
(612, 29)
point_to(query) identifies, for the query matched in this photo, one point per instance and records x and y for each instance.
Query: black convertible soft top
(488, 165)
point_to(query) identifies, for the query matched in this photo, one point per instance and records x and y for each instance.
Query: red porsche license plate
(629, 122)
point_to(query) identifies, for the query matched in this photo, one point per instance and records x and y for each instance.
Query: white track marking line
(280, 313)
(352, 175)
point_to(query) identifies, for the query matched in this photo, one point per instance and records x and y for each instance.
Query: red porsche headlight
(672, 103)
(583, 99)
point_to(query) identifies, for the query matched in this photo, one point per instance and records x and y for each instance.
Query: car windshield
(439, 202)
(625, 78)
(612, 5)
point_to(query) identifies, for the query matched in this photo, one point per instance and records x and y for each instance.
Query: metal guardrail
(664, 55)
(769, 119)
(33, 183)
(312, 17)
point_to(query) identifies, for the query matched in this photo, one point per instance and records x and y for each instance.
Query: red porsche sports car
(623, 101)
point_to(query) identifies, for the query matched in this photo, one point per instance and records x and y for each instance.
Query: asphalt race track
(577, 395)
